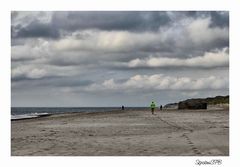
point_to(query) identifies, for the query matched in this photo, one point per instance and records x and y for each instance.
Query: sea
(34, 112)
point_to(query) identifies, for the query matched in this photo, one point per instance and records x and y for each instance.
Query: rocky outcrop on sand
(192, 104)
(218, 100)
(200, 103)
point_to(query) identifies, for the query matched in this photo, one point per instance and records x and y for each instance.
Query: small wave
(28, 116)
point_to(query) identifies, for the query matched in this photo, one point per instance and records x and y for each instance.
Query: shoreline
(67, 113)
(33, 117)
(40, 115)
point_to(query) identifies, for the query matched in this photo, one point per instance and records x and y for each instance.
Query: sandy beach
(124, 133)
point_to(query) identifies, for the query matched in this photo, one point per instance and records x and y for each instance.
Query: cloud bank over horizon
(114, 58)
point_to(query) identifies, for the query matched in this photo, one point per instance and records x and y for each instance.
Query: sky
(115, 58)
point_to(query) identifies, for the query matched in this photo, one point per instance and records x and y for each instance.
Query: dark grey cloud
(22, 59)
(35, 29)
(106, 20)
(218, 18)
(53, 81)
(25, 78)
(109, 20)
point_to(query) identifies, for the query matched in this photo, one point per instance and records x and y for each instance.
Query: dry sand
(169, 132)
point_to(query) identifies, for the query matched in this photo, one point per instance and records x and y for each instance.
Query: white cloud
(113, 41)
(28, 72)
(219, 58)
(162, 82)
(200, 31)
(32, 49)
(38, 71)
(24, 17)
(183, 34)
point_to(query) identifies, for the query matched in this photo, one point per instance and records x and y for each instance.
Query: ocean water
(32, 112)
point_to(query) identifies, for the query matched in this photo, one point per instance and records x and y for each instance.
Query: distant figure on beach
(152, 106)
(122, 107)
(160, 107)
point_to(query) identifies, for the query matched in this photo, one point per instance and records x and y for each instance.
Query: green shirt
(152, 105)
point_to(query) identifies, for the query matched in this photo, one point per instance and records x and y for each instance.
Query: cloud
(196, 35)
(32, 25)
(108, 20)
(178, 38)
(26, 72)
(186, 35)
(30, 50)
(219, 58)
(38, 71)
(119, 54)
(162, 82)
(218, 18)
(200, 31)
(50, 24)
(35, 29)
(26, 17)
(109, 41)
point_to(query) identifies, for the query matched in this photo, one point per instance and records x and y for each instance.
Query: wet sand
(124, 133)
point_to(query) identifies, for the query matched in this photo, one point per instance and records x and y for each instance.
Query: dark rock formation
(200, 103)
(218, 100)
(192, 104)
